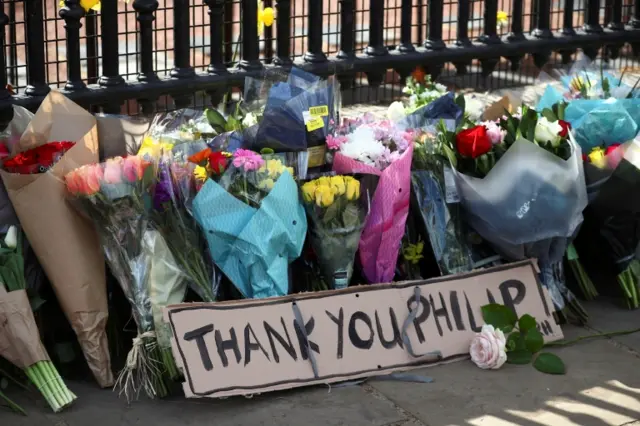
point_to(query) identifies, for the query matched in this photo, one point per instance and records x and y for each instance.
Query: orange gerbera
(419, 74)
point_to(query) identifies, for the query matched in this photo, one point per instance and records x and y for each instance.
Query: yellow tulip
(266, 184)
(324, 196)
(597, 158)
(353, 188)
(337, 185)
(266, 16)
(324, 180)
(308, 191)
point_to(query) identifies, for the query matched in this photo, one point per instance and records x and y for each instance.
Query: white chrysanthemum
(473, 107)
(362, 145)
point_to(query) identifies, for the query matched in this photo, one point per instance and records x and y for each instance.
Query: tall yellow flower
(353, 188)
(308, 191)
(503, 18)
(338, 185)
(324, 196)
(266, 16)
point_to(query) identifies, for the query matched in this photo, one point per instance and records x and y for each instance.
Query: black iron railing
(349, 38)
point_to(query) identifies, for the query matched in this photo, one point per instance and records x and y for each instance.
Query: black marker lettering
(286, 344)
(198, 336)
(302, 340)
(508, 299)
(397, 337)
(225, 345)
(250, 346)
(356, 340)
(490, 297)
(442, 312)
(426, 310)
(472, 318)
(455, 310)
(546, 328)
(542, 298)
(340, 323)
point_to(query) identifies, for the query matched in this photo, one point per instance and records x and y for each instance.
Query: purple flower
(164, 188)
(247, 160)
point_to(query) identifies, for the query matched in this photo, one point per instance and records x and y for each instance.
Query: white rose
(396, 111)
(249, 120)
(548, 131)
(473, 107)
(487, 348)
(11, 239)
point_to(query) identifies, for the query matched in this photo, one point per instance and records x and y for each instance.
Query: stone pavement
(601, 387)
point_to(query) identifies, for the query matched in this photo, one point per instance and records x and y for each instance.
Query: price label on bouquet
(319, 111)
(253, 346)
(315, 123)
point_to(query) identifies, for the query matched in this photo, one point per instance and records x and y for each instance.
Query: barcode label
(319, 111)
(315, 123)
(451, 192)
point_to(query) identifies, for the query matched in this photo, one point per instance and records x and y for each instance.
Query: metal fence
(151, 54)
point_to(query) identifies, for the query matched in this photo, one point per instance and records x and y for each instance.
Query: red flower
(218, 162)
(200, 157)
(611, 148)
(39, 159)
(585, 158)
(419, 75)
(566, 126)
(473, 142)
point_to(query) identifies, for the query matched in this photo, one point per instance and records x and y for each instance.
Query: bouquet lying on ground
(19, 337)
(254, 223)
(337, 207)
(116, 196)
(521, 183)
(379, 148)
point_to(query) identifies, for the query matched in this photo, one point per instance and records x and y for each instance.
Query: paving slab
(606, 316)
(601, 387)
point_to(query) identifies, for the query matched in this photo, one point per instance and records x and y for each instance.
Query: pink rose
(495, 133)
(113, 170)
(488, 348)
(133, 168)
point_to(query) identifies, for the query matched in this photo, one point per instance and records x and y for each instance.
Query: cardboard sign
(508, 103)
(252, 346)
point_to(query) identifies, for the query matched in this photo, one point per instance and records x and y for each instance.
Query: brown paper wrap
(19, 337)
(65, 243)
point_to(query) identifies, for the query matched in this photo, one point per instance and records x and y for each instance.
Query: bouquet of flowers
(116, 196)
(382, 149)
(521, 183)
(19, 338)
(174, 192)
(65, 244)
(254, 223)
(337, 207)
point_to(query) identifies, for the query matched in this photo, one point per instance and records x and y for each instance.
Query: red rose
(585, 158)
(611, 148)
(566, 126)
(473, 142)
(218, 162)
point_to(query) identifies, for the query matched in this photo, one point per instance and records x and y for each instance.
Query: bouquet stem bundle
(48, 381)
(589, 291)
(629, 281)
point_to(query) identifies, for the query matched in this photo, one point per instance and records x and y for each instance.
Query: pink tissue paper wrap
(385, 224)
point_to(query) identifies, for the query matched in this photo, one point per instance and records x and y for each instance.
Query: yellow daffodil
(338, 185)
(503, 18)
(152, 148)
(266, 184)
(324, 195)
(413, 252)
(597, 158)
(200, 173)
(266, 16)
(352, 188)
(308, 191)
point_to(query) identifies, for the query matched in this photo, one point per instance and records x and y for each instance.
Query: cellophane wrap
(529, 205)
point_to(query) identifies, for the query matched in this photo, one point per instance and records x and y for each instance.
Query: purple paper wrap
(385, 224)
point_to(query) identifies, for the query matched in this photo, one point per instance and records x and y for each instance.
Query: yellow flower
(324, 196)
(266, 184)
(87, 5)
(266, 16)
(200, 173)
(274, 167)
(353, 188)
(290, 170)
(578, 84)
(324, 180)
(503, 18)
(308, 191)
(338, 185)
(597, 158)
(227, 154)
(413, 252)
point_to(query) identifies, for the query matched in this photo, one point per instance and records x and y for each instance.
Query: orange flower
(200, 157)
(133, 168)
(71, 179)
(89, 178)
(418, 74)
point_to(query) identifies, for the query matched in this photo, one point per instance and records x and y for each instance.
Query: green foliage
(524, 340)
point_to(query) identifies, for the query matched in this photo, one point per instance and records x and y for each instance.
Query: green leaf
(549, 363)
(499, 316)
(534, 340)
(519, 357)
(36, 302)
(526, 322)
(215, 118)
(549, 115)
(515, 342)
(233, 124)
(459, 100)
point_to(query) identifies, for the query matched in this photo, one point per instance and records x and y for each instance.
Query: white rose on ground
(473, 107)
(11, 239)
(395, 112)
(548, 131)
(487, 348)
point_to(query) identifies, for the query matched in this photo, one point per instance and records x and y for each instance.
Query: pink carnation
(247, 160)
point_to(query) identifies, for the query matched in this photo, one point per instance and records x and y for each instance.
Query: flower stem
(592, 336)
(15, 407)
